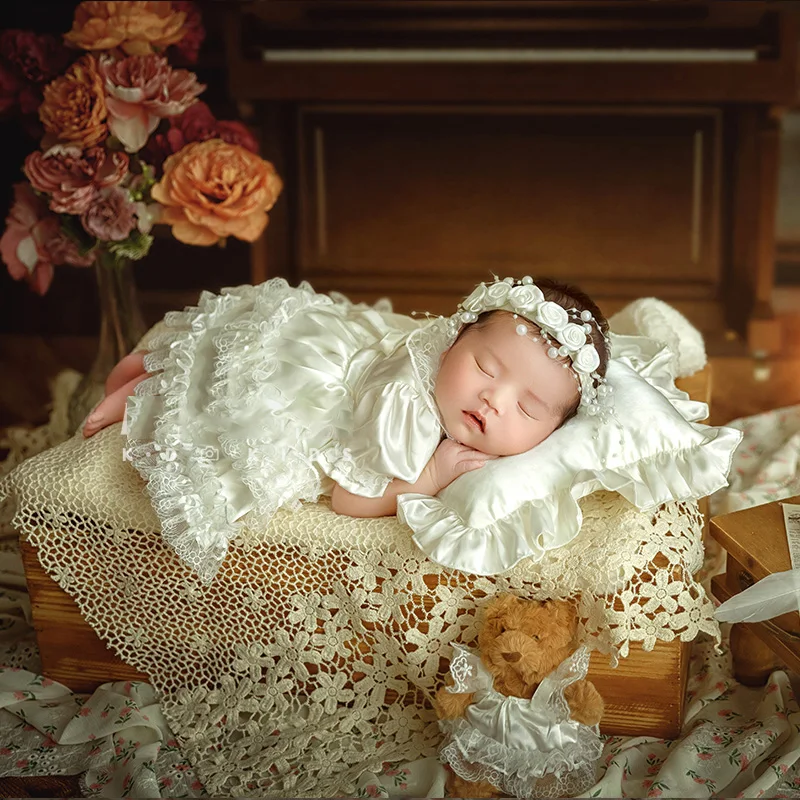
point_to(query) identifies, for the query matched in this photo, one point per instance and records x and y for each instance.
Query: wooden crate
(644, 695)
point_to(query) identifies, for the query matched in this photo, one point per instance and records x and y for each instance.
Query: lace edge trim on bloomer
(474, 756)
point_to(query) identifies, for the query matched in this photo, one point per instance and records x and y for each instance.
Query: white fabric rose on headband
(476, 300)
(552, 315)
(498, 292)
(525, 297)
(586, 360)
(573, 336)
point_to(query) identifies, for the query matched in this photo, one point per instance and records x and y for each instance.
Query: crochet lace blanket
(314, 654)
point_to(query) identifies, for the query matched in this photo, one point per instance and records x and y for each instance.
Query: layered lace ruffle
(192, 469)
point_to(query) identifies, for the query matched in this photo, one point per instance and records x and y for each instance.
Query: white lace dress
(262, 397)
(526, 748)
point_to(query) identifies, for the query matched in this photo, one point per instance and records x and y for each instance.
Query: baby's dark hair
(568, 297)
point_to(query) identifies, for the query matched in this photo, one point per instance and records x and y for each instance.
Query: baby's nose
(495, 398)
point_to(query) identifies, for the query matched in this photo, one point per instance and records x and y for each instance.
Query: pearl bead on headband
(566, 331)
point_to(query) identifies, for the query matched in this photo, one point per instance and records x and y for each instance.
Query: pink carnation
(182, 90)
(111, 217)
(140, 90)
(24, 243)
(73, 177)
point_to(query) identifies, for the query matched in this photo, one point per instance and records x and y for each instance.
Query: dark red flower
(196, 124)
(9, 89)
(235, 132)
(158, 148)
(188, 48)
(34, 57)
(30, 98)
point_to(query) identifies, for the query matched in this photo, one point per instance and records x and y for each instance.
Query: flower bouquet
(128, 145)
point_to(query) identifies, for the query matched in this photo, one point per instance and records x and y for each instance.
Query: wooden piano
(631, 147)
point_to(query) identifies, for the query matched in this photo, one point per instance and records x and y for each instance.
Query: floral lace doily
(313, 655)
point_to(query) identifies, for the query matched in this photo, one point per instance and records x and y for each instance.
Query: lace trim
(468, 672)
(425, 347)
(475, 756)
(182, 483)
(244, 325)
(338, 462)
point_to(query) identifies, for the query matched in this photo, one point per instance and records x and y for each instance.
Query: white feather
(772, 596)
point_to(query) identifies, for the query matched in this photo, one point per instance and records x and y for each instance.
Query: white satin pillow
(652, 451)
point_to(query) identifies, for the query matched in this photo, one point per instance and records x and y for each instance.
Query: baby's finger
(469, 466)
(476, 455)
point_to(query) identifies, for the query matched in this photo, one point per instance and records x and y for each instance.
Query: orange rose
(136, 27)
(213, 189)
(74, 107)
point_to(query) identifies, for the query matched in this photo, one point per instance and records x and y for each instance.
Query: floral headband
(567, 331)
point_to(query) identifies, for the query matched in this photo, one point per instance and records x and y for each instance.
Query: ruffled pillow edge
(444, 537)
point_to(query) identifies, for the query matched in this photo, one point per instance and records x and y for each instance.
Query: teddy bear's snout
(517, 650)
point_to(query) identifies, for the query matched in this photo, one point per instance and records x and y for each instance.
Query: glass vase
(121, 327)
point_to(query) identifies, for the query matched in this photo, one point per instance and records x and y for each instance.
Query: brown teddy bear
(519, 717)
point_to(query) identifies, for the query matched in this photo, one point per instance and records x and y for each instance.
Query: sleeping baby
(266, 396)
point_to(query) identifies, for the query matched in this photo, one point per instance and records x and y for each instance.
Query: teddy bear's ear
(502, 604)
(495, 619)
(566, 615)
(498, 608)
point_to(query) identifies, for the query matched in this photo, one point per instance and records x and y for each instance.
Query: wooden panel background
(422, 203)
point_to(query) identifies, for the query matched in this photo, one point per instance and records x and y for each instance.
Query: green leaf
(135, 247)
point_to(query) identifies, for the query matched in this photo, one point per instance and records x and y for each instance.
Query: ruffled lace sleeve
(468, 674)
(550, 693)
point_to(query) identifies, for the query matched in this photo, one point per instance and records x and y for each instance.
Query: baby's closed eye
(483, 369)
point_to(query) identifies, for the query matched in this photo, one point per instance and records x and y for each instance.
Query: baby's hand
(452, 459)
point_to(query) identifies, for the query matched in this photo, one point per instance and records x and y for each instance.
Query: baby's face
(499, 392)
